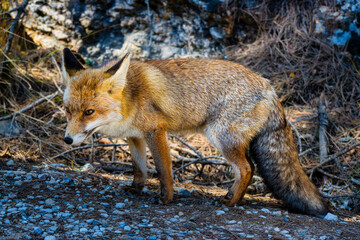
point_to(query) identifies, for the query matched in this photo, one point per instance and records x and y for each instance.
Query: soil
(55, 201)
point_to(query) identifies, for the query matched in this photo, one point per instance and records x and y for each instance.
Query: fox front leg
(138, 153)
(157, 142)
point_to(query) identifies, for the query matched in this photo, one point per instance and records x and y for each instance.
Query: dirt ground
(54, 201)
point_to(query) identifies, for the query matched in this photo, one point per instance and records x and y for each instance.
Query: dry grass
(299, 63)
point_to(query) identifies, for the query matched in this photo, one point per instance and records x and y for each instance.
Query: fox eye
(67, 110)
(89, 112)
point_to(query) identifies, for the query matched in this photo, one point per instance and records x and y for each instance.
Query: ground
(54, 201)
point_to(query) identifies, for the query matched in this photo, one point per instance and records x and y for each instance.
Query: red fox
(234, 107)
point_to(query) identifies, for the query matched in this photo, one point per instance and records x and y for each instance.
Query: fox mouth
(91, 131)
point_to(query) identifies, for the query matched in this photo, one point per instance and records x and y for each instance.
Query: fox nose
(68, 140)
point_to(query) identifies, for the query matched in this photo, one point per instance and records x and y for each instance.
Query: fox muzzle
(68, 140)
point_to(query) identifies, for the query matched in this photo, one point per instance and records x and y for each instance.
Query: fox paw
(166, 197)
(134, 188)
(228, 200)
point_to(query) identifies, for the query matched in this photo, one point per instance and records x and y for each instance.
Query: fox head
(92, 97)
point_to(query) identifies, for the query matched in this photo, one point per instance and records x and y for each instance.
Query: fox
(234, 107)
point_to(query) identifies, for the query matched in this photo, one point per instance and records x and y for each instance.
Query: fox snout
(68, 140)
(75, 139)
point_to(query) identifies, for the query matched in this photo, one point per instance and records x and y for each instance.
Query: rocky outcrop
(102, 29)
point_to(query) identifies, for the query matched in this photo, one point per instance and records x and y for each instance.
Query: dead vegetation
(286, 50)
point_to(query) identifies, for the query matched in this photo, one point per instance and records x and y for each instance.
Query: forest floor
(54, 201)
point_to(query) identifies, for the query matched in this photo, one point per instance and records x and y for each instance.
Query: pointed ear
(117, 73)
(70, 65)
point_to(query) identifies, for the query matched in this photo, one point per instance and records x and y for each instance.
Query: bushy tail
(275, 154)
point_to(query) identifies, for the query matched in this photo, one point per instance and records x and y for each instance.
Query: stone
(9, 128)
(49, 237)
(50, 202)
(10, 163)
(331, 217)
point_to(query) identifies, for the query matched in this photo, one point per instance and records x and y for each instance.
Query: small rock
(18, 183)
(10, 163)
(49, 237)
(220, 212)
(83, 230)
(58, 165)
(217, 33)
(331, 217)
(48, 216)
(277, 213)
(232, 222)
(52, 180)
(117, 212)
(174, 219)
(49, 202)
(37, 230)
(120, 205)
(53, 228)
(65, 215)
(277, 229)
(88, 167)
(265, 210)
(97, 234)
(127, 228)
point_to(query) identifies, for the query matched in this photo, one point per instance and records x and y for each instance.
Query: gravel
(51, 203)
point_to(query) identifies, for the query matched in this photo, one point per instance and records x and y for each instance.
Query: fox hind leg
(235, 153)
(243, 170)
(138, 153)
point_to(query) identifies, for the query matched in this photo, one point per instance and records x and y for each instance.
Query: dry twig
(323, 122)
(37, 102)
(332, 157)
(20, 11)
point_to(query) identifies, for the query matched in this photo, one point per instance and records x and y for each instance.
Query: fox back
(233, 106)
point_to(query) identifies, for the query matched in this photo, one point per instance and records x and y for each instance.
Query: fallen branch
(330, 175)
(37, 102)
(89, 146)
(203, 161)
(332, 157)
(46, 143)
(297, 134)
(183, 142)
(323, 122)
(305, 118)
(342, 196)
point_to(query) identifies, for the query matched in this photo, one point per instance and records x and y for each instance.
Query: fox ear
(70, 65)
(117, 73)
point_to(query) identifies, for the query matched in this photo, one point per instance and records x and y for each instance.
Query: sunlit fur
(233, 106)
